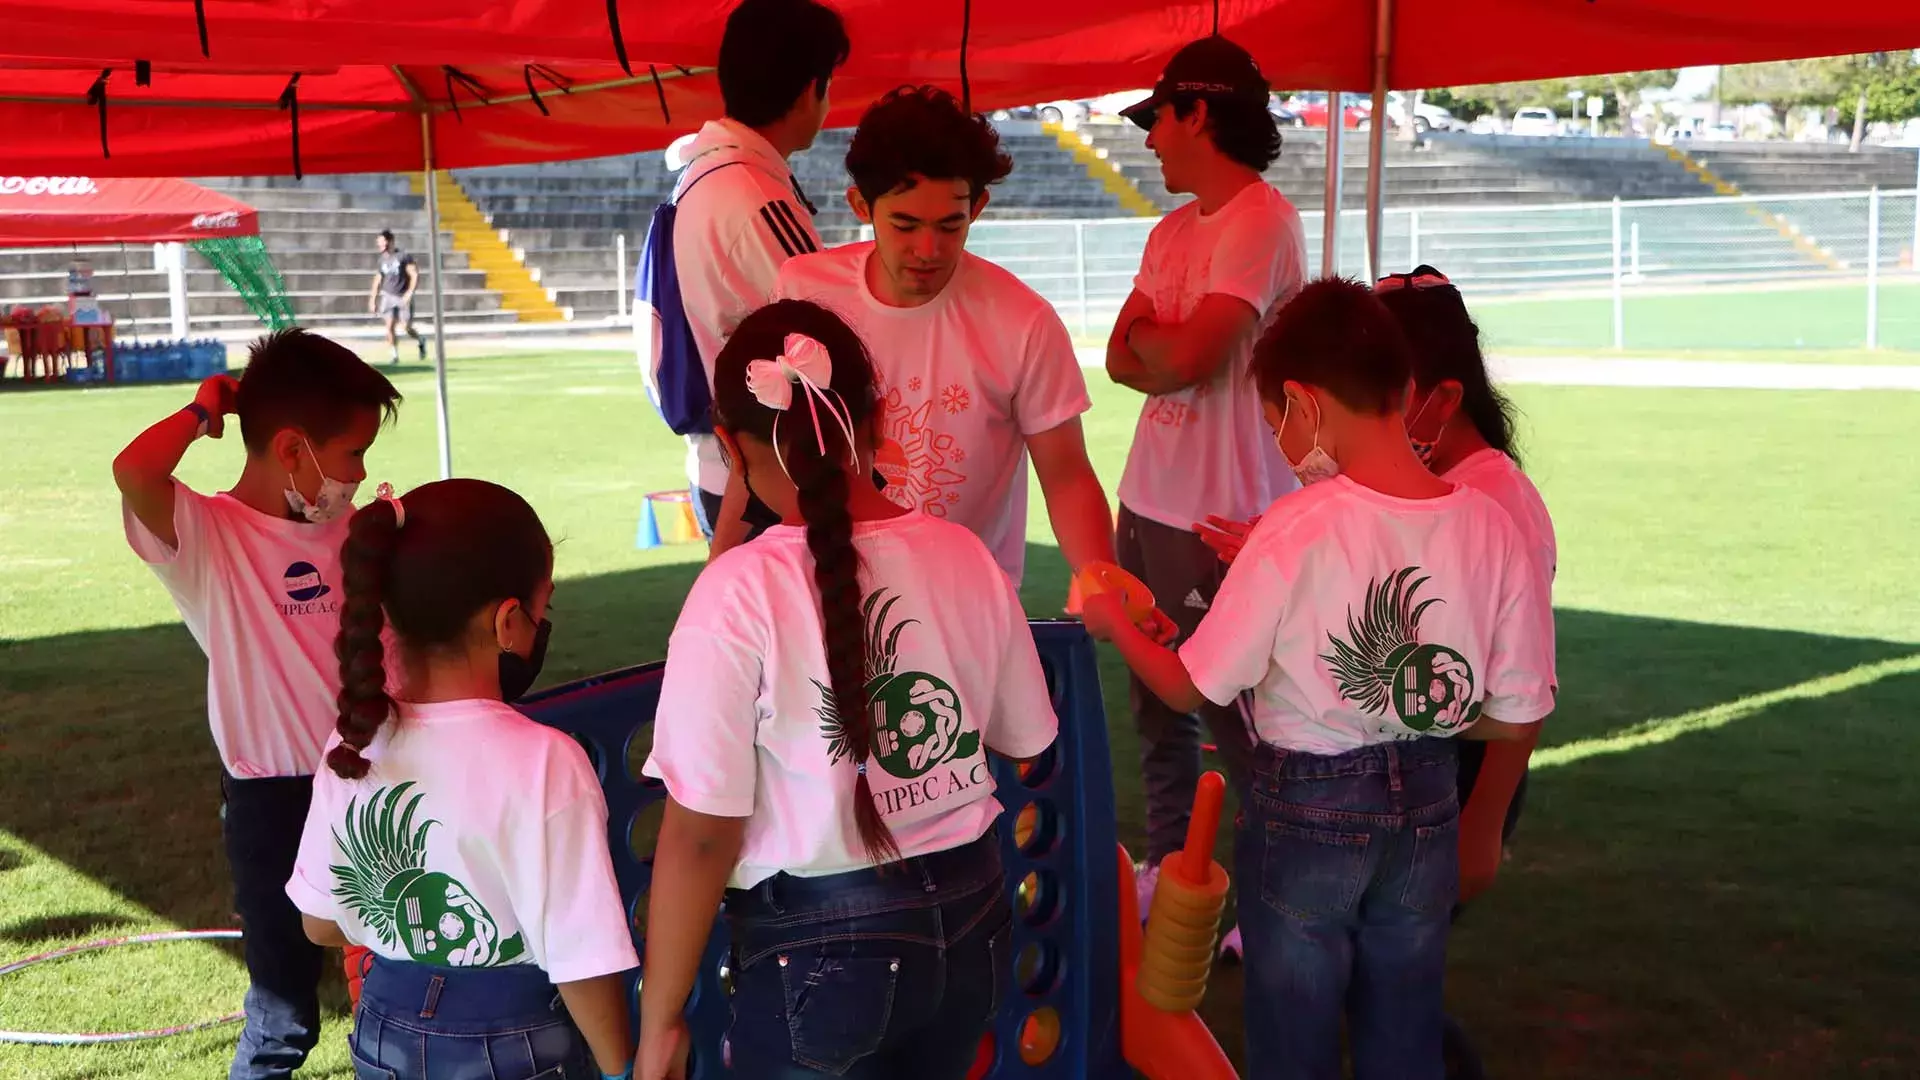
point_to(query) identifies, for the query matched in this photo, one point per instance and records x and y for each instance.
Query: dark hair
(465, 544)
(1337, 336)
(387, 235)
(771, 51)
(1446, 345)
(297, 379)
(1242, 130)
(820, 475)
(922, 130)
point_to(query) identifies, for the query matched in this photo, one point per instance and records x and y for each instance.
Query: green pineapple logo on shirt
(917, 723)
(436, 919)
(1384, 665)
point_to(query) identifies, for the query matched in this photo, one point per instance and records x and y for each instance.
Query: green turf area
(1821, 317)
(1714, 877)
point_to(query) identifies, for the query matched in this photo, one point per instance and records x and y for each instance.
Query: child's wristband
(628, 1075)
(201, 413)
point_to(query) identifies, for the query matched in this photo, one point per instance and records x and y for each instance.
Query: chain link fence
(1826, 271)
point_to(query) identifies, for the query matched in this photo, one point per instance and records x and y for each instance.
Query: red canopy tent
(45, 210)
(541, 79)
(132, 87)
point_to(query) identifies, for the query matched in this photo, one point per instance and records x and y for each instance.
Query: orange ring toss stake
(1203, 827)
(1100, 577)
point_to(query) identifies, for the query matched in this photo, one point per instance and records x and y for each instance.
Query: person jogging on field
(394, 281)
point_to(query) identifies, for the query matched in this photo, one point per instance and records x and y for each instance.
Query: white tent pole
(439, 298)
(1377, 135)
(1330, 229)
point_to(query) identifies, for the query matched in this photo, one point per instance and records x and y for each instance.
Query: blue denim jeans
(260, 822)
(872, 974)
(1348, 866)
(417, 1022)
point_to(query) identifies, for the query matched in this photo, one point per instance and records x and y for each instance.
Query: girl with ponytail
(831, 691)
(1461, 426)
(459, 841)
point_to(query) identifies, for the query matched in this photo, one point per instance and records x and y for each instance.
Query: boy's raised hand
(217, 395)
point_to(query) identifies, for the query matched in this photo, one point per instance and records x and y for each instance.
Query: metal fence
(1792, 271)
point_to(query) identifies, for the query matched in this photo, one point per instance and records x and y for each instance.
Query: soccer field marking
(1669, 728)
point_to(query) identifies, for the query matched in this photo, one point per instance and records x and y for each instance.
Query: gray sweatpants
(1184, 573)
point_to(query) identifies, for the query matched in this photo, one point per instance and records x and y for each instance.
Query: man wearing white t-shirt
(1213, 270)
(741, 212)
(976, 369)
(255, 574)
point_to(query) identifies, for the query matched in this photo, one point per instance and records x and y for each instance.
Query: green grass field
(1794, 317)
(1715, 877)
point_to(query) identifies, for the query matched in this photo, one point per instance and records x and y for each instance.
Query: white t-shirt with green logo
(746, 725)
(261, 595)
(1500, 479)
(1359, 618)
(478, 838)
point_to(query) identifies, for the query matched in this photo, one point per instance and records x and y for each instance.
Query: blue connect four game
(1057, 838)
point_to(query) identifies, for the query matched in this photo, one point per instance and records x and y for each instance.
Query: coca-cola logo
(47, 185)
(226, 219)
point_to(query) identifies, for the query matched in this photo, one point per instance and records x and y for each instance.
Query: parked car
(1311, 108)
(1425, 117)
(1535, 121)
(1068, 114)
(1284, 116)
(1108, 106)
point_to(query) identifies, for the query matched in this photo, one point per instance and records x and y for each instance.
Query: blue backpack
(676, 379)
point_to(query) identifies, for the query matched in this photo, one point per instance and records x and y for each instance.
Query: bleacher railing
(1593, 264)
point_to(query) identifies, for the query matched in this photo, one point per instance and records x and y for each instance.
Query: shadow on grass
(80, 924)
(1734, 902)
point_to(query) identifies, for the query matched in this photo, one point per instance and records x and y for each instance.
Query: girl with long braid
(831, 692)
(461, 842)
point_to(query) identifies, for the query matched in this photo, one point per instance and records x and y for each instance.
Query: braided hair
(465, 544)
(818, 468)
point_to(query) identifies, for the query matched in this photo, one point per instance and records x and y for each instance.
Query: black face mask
(517, 673)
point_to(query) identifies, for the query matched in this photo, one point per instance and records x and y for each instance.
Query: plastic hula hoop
(49, 1038)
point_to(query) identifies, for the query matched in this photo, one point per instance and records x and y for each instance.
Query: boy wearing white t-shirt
(741, 213)
(255, 574)
(831, 695)
(460, 841)
(976, 369)
(1373, 616)
(1213, 270)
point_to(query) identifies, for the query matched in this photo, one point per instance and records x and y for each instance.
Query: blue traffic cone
(649, 535)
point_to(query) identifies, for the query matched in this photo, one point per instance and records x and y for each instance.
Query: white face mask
(334, 498)
(1424, 448)
(1318, 465)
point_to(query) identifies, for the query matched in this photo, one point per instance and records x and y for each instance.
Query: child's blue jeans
(872, 974)
(1348, 868)
(417, 1022)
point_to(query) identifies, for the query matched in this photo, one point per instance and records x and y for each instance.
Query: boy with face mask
(254, 572)
(1375, 616)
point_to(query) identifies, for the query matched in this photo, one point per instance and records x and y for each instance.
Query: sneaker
(1145, 880)
(1230, 946)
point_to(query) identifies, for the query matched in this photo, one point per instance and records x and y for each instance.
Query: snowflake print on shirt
(956, 400)
(913, 384)
(915, 459)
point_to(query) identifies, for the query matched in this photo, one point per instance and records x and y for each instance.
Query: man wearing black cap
(1213, 270)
